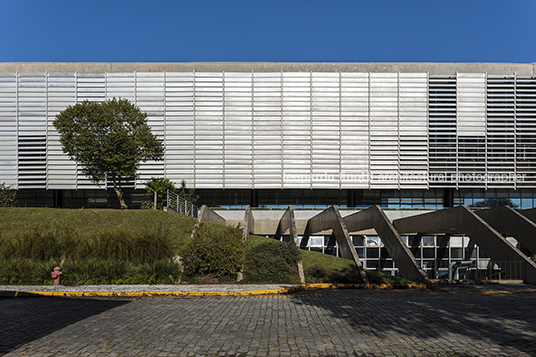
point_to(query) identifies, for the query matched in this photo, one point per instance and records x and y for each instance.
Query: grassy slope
(87, 222)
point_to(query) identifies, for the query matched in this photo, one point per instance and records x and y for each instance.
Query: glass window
(358, 241)
(405, 200)
(373, 241)
(330, 251)
(360, 252)
(430, 264)
(418, 253)
(442, 241)
(515, 199)
(428, 253)
(456, 253)
(388, 264)
(373, 253)
(372, 264)
(468, 198)
(404, 239)
(316, 241)
(526, 199)
(442, 253)
(484, 264)
(428, 241)
(414, 241)
(470, 253)
(431, 201)
(384, 253)
(456, 241)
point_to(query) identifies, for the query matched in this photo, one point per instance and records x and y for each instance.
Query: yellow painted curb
(150, 293)
(293, 289)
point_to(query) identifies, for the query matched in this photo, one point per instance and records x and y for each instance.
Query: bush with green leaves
(272, 262)
(215, 250)
(8, 195)
(160, 185)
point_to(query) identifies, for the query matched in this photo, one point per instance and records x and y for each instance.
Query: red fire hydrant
(56, 275)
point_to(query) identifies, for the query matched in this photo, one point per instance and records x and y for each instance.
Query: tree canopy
(495, 202)
(108, 140)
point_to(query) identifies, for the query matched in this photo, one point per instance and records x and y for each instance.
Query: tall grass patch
(60, 244)
(91, 247)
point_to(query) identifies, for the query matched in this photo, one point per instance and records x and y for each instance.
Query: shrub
(8, 196)
(213, 250)
(272, 262)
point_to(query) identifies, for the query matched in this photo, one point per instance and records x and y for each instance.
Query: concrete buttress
(288, 222)
(461, 220)
(330, 218)
(374, 217)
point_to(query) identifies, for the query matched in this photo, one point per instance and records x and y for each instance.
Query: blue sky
(268, 31)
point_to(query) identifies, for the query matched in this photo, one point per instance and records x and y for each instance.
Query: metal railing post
(181, 205)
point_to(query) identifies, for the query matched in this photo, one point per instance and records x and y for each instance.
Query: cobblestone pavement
(445, 322)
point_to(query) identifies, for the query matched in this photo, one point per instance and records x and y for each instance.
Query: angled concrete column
(207, 215)
(529, 213)
(330, 218)
(461, 220)
(249, 222)
(248, 227)
(374, 217)
(510, 222)
(288, 222)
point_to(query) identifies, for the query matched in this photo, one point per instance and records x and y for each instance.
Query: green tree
(495, 202)
(160, 185)
(188, 193)
(8, 196)
(108, 140)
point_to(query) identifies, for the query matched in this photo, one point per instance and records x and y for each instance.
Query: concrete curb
(280, 291)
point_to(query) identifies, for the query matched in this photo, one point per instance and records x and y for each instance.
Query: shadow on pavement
(24, 320)
(507, 320)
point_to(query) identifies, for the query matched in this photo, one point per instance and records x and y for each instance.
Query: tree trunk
(119, 193)
(120, 197)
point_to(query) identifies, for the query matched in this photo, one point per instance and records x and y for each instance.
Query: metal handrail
(181, 205)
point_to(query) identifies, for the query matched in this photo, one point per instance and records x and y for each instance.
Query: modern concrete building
(400, 135)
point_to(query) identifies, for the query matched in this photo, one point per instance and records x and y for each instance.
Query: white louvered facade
(288, 129)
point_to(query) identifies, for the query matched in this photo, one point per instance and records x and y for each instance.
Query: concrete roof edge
(374, 67)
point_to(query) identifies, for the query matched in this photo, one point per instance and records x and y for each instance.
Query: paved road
(447, 322)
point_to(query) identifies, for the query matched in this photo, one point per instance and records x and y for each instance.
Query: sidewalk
(242, 289)
(146, 290)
